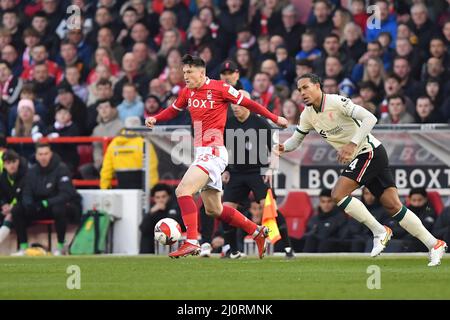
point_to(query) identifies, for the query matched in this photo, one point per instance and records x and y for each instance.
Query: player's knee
(214, 210)
(181, 191)
(336, 195)
(392, 205)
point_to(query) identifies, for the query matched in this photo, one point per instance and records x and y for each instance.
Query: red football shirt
(208, 108)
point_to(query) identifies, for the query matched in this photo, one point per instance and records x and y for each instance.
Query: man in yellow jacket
(124, 158)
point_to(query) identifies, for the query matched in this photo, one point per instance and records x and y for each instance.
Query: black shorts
(371, 169)
(240, 185)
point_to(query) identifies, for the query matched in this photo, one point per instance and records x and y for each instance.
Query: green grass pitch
(149, 277)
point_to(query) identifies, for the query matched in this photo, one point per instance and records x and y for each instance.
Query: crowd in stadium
(124, 61)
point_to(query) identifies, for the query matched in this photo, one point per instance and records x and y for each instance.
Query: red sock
(237, 219)
(189, 215)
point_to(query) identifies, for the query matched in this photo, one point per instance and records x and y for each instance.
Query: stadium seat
(49, 223)
(297, 209)
(436, 201)
(85, 152)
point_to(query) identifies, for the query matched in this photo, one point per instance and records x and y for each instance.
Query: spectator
(374, 72)
(434, 92)
(387, 23)
(291, 112)
(48, 193)
(52, 10)
(419, 202)
(233, 15)
(404, 49)
(30, 38)
(162, 206)
(246, 66)
(10, 86)
(341, 18)
(309, 49)
(425, 112)
(435, 69)
(10, 21)
(158, 89)
(147, 61)
(286, 64)
(270, 67)
(168, 21)
(69, 57)
(109, 125)
(39, 55)
(69, 100)
(267, 18)
(123, 158)
(290, 29)
(84, 50)
(324, 230)
(263, 50)
(40, 23)
(9, 54)
(244, 39)
(330, 85)
(198, 36)
(353, 45)
(133, 75)
(11, 186)
(402, 68)
(302, 67)
(73, 77)
(103, 18)
(152, 106)
(322, 24)
(105, 39)
(140, 33)
(396, 111)
(360, 16)
(103, 57)
(129, 18)
(422, 26)
(181, 12)
(27, 126)
(65, 127)
(132, 104)
(264, 92)
(331, 48)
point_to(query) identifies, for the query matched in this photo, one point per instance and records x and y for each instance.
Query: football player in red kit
(207, 101)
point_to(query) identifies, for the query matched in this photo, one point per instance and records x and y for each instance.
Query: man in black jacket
(324, 230)
(48, 194)
(11, 185)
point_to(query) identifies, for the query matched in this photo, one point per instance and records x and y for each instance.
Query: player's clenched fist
(278, 149)
(150, 122)
(282, 122)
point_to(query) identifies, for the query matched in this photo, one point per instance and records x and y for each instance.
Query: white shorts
(213, 161)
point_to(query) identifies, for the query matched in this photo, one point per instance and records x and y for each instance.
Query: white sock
(4, 232)
(194, 242)
(411, 223)
(358, 210)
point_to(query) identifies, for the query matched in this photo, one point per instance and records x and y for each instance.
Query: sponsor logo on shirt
(202, 104)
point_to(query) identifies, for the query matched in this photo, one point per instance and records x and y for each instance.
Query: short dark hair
(193, 61)
(40, 145)
(314, 78)
(421, 191)
(325, 193)
(396, 96)
(332, 35)
(161, 187)
(103, 82)
(392, 75)
(10, 155)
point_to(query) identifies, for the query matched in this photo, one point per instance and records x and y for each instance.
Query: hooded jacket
(52, 183)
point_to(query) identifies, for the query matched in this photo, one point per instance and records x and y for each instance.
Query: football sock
(411, 223)
(60, 245)
(238, 220)
(23, 246)
(4, 232)
(358, 210)
(189, 214)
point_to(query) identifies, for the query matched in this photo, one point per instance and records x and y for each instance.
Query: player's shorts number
(352, 165)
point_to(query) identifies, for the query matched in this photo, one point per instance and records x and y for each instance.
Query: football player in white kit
(346, 126)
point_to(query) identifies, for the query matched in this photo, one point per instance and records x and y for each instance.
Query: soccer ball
(167, 231)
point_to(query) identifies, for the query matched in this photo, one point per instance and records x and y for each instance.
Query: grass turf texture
(148, 277)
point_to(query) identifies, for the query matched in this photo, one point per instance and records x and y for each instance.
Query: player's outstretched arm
(290, 144)
(168, 114)
(259, 109)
